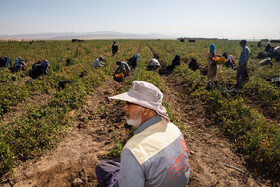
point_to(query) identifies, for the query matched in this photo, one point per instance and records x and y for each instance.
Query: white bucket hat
(146, 95)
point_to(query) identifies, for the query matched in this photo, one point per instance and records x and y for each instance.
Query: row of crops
(253, 135)
(28, 137)
(256, 137)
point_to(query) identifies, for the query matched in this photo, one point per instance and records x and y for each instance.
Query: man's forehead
(130, 103)
(134, 105)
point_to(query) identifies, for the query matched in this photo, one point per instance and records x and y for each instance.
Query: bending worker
(98, 63)
(123, 67)
(156, 155)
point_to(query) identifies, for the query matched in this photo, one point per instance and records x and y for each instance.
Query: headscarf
(45, 63)
(212, 47)
(101, 58)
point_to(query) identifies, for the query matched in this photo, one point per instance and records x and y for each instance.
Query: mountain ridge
(86, 35)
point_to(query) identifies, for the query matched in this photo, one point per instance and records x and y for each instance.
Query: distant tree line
(193, 39)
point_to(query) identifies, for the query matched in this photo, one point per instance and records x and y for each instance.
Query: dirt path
(72, 162)
(89, 140)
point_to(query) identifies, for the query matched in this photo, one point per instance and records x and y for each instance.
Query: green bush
(6, 157)
(253, 136)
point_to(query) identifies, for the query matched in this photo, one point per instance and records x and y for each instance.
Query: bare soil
(263, 107)
(72, 162)
(20, 110)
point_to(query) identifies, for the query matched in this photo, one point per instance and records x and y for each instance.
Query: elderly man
(242, 73)
(156, 155)
(98, 63)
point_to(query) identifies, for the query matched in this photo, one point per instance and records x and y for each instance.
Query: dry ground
(72, 162)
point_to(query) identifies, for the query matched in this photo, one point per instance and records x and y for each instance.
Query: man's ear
(146, 112)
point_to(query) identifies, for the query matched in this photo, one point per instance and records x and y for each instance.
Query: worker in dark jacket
(175, 63)
(39, 69)
(115, 48)
(194, 65)
(133, 61)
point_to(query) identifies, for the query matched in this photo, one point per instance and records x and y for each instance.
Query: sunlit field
(250, 118)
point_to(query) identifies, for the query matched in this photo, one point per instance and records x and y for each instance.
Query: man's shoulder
(247, 48)
(155, 134)
(152, 140)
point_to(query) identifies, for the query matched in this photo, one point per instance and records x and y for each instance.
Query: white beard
(137, 121)
(134, 122)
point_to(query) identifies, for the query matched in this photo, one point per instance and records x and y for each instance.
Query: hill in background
(87, 35)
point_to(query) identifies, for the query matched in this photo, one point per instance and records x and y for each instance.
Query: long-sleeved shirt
(97, 63)
(244, 56)
(124, 67)
(155, 156)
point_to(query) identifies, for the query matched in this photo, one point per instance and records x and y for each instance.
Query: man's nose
(125, 107)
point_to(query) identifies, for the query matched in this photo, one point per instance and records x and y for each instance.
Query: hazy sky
(233, 19)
